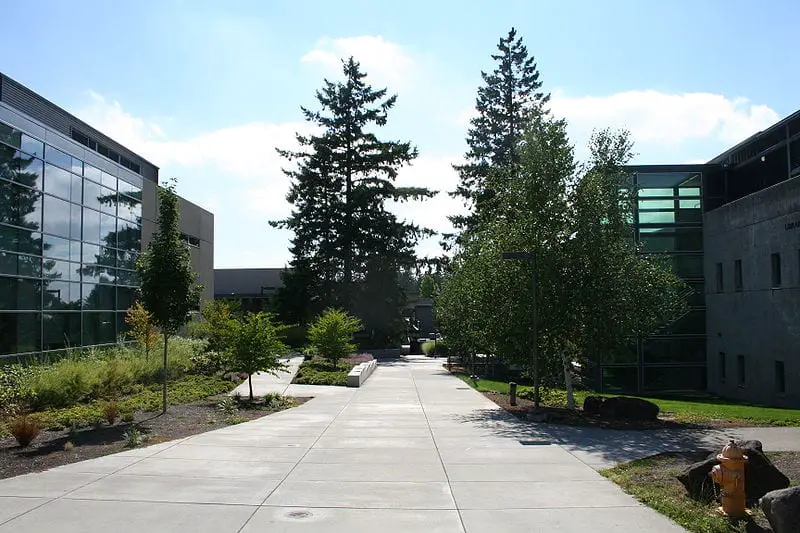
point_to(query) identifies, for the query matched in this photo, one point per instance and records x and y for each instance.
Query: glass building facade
(70, 235)
(668, 225)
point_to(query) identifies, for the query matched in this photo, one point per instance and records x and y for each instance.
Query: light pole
(531, 258)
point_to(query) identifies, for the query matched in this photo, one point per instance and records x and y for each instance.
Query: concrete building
(76, 210)
(251, 287)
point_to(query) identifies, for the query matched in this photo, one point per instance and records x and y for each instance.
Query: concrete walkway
(413, 450)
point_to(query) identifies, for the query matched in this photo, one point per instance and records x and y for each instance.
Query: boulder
(760, 475)
(628, 408)
(592, 404)
(782, 509)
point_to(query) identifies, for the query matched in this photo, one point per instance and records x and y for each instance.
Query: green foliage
(331, 334)
(127, 416)
(14, 388)
(322, 372)
(234, 420)
(141, 326)
(278, 402)
(209, 363)
(255, 345)
(218, 320)
(133, 437)
(24, 429)
(427, 286)
(348, 246)
(228, 406)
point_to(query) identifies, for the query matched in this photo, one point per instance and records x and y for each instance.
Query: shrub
(110, 411)
(228, 406)
(14, 388)
(255, 345)
(277, 402)
(68, 446)
(331, 334)
(132, 437)
(127, 417)
(141, 327)
(321, 372)
(218, 320)
(428, 347)
(24, 429)
(209, 363)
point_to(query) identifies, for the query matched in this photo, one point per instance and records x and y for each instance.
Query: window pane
(621, 379)
(92, 195)
(130, 208)
(673, 240)
(90, 253)
(20, 332)
(130, 190)
(668, 179)
(99, 328)
(20, 265)
(656, 192)
(32, 146)
(75, 224)
(623, 354)
(698, 296)
(108, 201)
(57, 216)
(76, 189)
(58, 248)
(20, 168)
(61, 330)
(688, 266)
(690, 204)
(77, 166)
(689, 191)
(108, 180)
(693, 322)
(107, 257)
(685, 216)
(20, 294)
(23, 207)
(62, 295)
(129, 236)
(125, 297)
(57, 157)
(657, 217)
(108, 230)
(20, 240)
(92, 173)
(656, 204)
(127, 277)
(62, 270)
(674, 350)
(127, 259)
(10, 136)
(58, 182)
(91, 225)
(669, 378)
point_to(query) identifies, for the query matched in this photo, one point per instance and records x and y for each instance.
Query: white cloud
(385, 62)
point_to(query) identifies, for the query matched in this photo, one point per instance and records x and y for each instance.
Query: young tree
(254, 345)
(331, 334)
(343, 178)
(218, 322)
(506, 101)
(141, 327)
(168, 289)
(427, 286)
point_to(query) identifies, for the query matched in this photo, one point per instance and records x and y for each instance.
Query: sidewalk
(413, 450)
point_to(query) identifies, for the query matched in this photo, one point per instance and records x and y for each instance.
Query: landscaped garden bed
(319, 371)
(653, 481)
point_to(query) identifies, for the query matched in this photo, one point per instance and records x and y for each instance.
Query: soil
(577, 417)
(48, 449)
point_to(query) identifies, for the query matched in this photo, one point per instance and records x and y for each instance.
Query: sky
(207, 90)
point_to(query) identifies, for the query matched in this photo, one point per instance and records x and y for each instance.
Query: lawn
(652, 481)
(715, 411)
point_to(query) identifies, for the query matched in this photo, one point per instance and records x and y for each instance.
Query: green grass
(321, 372)
(652, 482)
(695, 411)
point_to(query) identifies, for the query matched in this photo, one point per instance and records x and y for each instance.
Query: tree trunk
(250, 382)
(164, 388)
(568, 381)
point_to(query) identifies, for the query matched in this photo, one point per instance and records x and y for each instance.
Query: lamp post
(531, 258)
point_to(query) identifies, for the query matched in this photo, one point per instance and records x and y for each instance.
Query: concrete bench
(360, 373)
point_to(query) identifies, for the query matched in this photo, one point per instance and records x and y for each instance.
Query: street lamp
(531, 258)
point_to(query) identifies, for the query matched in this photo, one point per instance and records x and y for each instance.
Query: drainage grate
(535, 442)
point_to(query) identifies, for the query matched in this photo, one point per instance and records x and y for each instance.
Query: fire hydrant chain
(729, 474)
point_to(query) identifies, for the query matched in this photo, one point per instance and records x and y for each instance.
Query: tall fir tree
(505, 103)
(343, 178)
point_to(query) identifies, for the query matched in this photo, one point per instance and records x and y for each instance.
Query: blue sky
(207, 90)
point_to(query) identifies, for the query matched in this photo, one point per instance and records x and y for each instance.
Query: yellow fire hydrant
(729, 474)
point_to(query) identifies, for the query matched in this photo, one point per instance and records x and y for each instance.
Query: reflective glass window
(99, 297)
(107, 257)
(698, 296)
(59, 248)
(57, 157)
(669, 378)
(108, 180)
(20, 294)
(656, 217)
(672, 240)
(620, 379)
(20, 168)
(92, 195)
(10, 136)
(62, 295)
(108, 230)
(126, 296)
(666, 180)
(129, 189)
(106, 275)
(23, 207)
(57, 216)
(20, 240)
(99, 328)
(61, 270)
(127, 277)
(656, 192)
(58, 182)
(91, 225)
(621, 354)
(674, 350)
(688, 266)
(129, 236)
(127, 259)
(75, 224)
(20, 332)
(90, 253)
(693, 322)
(130, 208)
(689, 216)
(76, 189)
(20, 265)
(656, 204)
(690, 204)
(77, 166)
(61, 330)
(32, 146)
(689, 191)
(92, 173)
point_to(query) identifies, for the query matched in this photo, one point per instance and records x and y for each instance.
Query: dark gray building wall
(247, 282)
(195, 222)
(759, 322)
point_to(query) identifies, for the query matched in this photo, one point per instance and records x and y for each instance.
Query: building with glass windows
(76, 209)
(731, 229)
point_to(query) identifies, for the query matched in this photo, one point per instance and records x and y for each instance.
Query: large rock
(760, 475)
(782, 508)
(628, 408)
(592, 404)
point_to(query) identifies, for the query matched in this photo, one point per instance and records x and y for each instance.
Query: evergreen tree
(343, 178)
(509, 97)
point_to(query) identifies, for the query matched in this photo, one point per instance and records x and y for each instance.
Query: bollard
(512, 393)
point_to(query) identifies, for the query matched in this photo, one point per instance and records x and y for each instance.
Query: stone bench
(360, 373)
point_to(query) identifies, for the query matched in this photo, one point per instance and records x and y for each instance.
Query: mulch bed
(47, 451)
(577, 417)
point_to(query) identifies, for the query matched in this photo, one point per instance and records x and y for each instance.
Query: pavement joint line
(438, 452)
(300, 460)
(64, 496)
(118, 500)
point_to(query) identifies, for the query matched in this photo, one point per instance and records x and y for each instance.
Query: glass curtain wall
(668, 226)
(70, 235)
